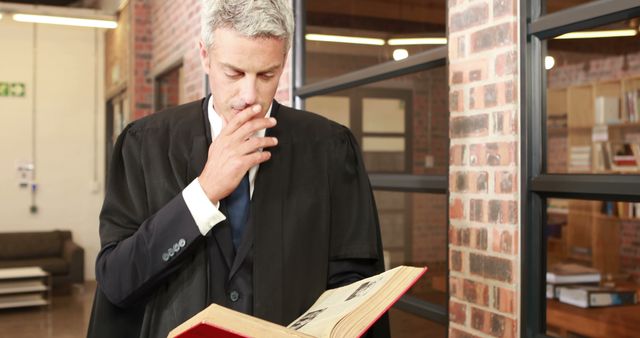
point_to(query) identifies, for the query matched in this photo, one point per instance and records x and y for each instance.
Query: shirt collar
(217, 122)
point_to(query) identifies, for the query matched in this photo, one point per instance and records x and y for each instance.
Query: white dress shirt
(204, 213)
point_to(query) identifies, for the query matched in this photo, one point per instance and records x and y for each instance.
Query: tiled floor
(67, 318)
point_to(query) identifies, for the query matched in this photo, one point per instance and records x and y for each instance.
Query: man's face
(242, 71)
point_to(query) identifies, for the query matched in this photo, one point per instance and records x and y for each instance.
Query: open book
(347, 311)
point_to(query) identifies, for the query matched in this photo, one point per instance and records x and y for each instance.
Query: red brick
(502, 212)
(492, 323)
(504, 123)
(506, 63)
(456, 333)
(503, 8)
(500, 35)
(457, 154)
(504, 241)
(503, 300)
(496, 268)
(473, 16)
(493, 154)
(456, 209)
(506, 182)
(476, 292)
(455, 261)
(457, 312)
(470, 126)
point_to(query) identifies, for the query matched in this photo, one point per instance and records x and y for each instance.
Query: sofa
(53, 251)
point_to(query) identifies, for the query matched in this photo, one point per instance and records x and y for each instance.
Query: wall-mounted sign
(12, 89)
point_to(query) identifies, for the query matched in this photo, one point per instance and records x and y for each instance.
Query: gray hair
(251, 18)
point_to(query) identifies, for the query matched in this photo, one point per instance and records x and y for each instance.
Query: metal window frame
(537, 184)
(437, 184)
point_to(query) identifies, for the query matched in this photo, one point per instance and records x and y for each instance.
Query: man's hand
(235, 151)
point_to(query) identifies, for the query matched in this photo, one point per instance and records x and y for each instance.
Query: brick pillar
(484, 168)
(141, 87)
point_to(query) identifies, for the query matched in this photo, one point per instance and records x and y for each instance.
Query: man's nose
(249, 92)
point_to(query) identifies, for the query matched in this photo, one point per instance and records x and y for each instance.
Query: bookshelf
(600, 121)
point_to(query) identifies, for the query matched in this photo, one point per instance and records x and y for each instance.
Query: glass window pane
(383, 115)
(593, 100)
(414, 232)
(558, 5)
(402, 123)
(407, 325)
(334, 108)
(383, 22)
(383, 144)
(592, 245)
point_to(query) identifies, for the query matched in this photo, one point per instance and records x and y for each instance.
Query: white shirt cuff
(204, 213)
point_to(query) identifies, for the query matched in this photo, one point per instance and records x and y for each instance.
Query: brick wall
(484, 186)
(140, 82)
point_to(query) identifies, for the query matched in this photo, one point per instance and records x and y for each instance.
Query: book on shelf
(571, 273)
(632, 111)
(553, 289)
(580, 158)
(624, 156)
(597, 296)
(347, 311)
(607, 110)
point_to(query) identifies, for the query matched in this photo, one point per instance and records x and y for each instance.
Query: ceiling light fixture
(67, 21)
(598, 34)
(417, 41)
(549, 62)
(345, 39)
(400, 54)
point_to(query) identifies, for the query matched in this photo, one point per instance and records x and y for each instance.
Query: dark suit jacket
(312, 225)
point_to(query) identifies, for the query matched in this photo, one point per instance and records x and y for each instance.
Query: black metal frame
(437, 184)
(537, 184)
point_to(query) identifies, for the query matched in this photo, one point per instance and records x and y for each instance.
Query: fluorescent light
(0, 16)
(598, 34)
(549, 62)
(60, 20)
(344, 39)
(400, 54)
(417, 41)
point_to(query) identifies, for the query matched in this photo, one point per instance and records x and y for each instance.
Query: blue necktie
(238, 209)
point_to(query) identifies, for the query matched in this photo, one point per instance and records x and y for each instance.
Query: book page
(334, 304)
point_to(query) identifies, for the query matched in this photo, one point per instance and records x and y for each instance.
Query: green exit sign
(12, 89)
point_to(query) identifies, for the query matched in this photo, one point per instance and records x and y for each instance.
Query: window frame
(538, 185)
(434, 184)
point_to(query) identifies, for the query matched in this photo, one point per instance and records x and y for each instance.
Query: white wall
(65, 85)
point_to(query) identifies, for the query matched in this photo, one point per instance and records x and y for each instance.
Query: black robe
(312, 216)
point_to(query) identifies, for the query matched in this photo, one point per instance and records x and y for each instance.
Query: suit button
(171, 253)
(165, 256)
(182, 242)
(176, 247)
(234, 295)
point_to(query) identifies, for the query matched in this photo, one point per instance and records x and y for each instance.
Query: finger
(256, 143)
(241, 118)
(256, 158)
(250, 128)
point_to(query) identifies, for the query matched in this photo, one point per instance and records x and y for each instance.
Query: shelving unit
(592, 129)
(22, 287)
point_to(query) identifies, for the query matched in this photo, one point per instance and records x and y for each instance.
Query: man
(234, 199)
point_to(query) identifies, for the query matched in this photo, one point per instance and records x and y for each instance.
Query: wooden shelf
(606, 322)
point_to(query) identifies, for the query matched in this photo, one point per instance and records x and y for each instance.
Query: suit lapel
(267, 223)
